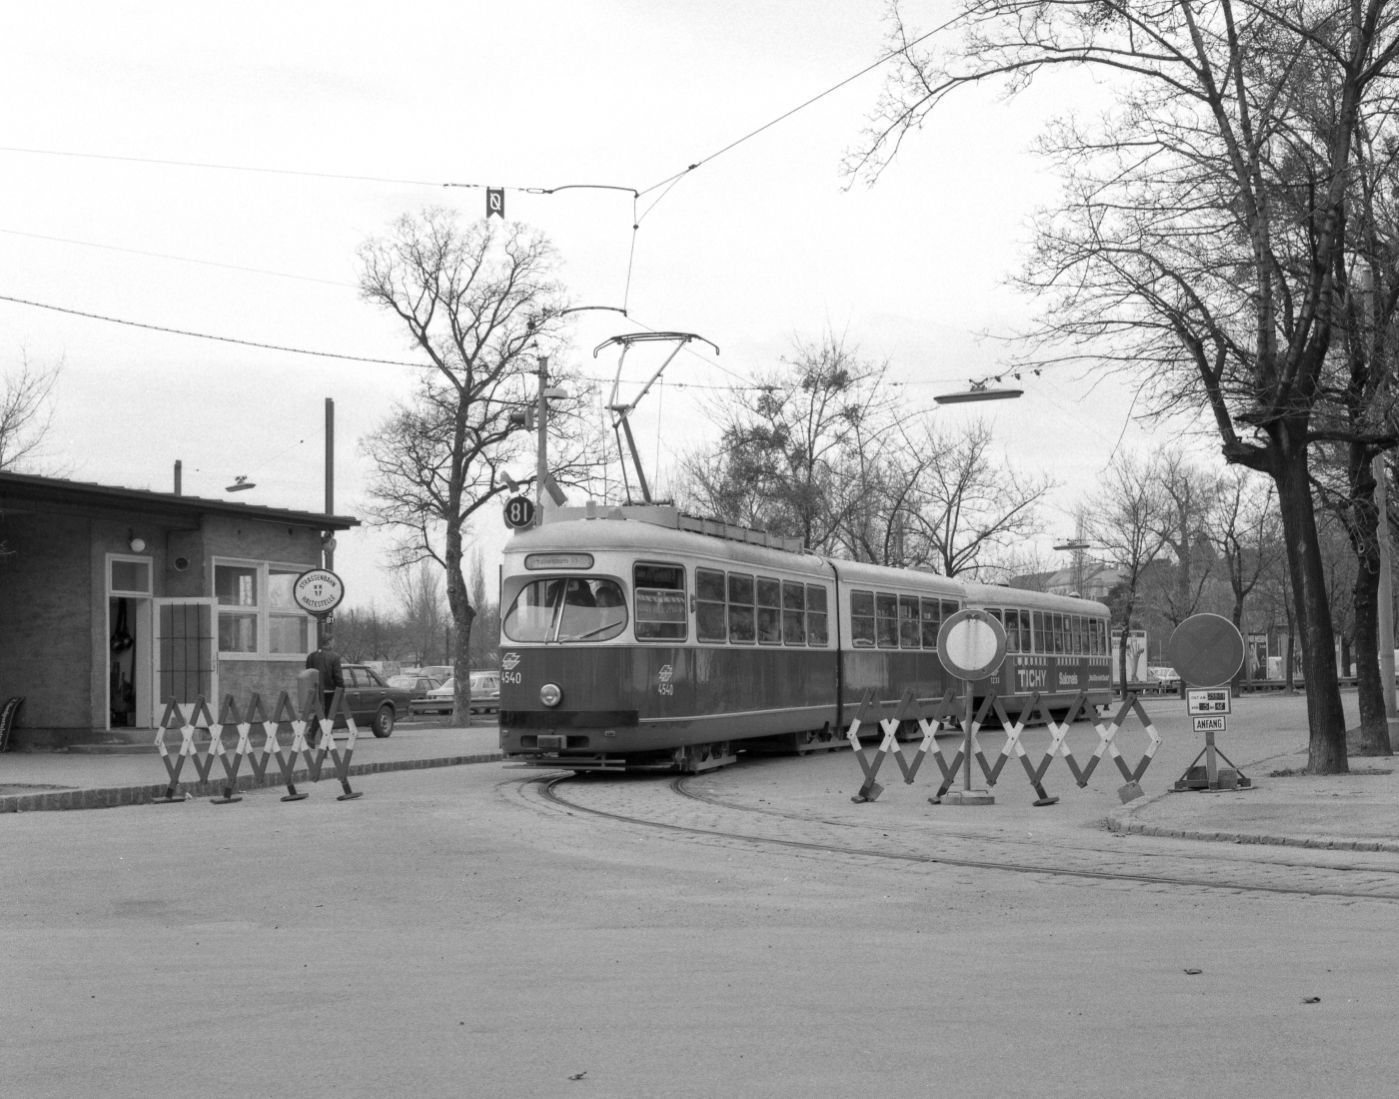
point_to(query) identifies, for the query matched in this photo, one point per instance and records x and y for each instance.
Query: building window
(129, 576)
(257, 614)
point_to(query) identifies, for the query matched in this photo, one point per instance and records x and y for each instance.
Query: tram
(640, 637)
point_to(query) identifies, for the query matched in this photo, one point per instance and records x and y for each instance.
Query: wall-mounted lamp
(138, 545)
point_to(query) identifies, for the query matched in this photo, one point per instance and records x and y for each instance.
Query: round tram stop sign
(318, 591)
(1206, 650)
(971, 644)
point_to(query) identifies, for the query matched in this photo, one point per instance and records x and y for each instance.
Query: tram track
(1380, 884)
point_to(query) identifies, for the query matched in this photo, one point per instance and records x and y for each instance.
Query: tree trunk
(1325, 719)
(1363, 529)
(463, 614)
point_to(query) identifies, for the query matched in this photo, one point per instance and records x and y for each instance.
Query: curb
(109, 797)
(1121, 820)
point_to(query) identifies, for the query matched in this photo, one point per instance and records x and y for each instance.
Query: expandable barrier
(282, 739)
(949, 712)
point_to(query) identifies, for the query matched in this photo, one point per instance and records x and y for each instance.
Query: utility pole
(328, 539)
(541, 469)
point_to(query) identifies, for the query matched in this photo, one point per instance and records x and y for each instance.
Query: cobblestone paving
(725, 808)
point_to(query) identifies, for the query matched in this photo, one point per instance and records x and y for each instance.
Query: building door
(186, 659)
(129, 647)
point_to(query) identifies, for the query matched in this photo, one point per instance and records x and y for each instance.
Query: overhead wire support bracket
(621, 410)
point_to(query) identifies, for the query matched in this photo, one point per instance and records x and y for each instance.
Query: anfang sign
(318, 592)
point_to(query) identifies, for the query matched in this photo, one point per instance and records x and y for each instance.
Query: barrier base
(1046, 800)
(868, 793)
(967, 797)
(1130, 792)
(171, 798)
(292, 795)
(228, 798)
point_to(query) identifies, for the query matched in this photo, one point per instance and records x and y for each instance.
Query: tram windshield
(566, 608)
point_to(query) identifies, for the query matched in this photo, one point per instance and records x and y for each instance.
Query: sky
(763, 244)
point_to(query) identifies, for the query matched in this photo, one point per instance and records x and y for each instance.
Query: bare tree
(1246, 530)
(424, 613)
(479, 305)
(1124, 522)
(26, 412)
(783, 461)
(1200, 244)
(955, 508)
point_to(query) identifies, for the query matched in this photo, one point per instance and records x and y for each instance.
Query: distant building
(114, 599)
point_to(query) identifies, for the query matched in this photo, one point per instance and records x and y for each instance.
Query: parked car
(372, 701)
(485, 692)
(485, 696)
(417, 686)
(439, 700)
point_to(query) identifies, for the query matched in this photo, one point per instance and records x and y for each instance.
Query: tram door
(186, 661)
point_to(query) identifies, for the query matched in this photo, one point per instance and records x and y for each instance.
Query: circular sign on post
(519, 512)
(318, 591)
(1206, 650)
(971, 644)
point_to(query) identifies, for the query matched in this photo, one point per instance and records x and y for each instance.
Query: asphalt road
(457, 933)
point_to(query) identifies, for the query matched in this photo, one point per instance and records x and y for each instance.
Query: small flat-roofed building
(115, 599)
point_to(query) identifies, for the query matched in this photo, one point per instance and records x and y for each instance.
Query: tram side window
(908, 622)
(711, 612)
(1102, 637)
(886, 620)
(1037, 619)
(862, 619)
(769, 611)
(793, 613)
(932, 622)
(1025, 642)
(816, 632)
(1012, 625)
(1059, 646)
(741, 621)
(1080, 646)
(661, 611)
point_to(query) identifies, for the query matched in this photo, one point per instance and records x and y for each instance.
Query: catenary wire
(180, 259)
(204, 335)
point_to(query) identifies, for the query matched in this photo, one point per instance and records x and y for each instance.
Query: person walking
(327, 664)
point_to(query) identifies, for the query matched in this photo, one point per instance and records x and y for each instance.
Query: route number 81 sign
(519, 512)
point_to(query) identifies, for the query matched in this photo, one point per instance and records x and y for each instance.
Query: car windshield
(446, 688)
(566, 608)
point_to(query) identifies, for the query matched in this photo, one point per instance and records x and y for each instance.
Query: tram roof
(996, 595)
(629, 533)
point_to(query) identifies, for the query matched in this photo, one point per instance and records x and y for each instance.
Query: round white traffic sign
(318, 591)
(971, 644)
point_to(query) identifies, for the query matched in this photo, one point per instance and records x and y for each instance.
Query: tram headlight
(550, 694)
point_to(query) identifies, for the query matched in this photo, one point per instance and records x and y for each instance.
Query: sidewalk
(1354, 812)
(64, 780)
